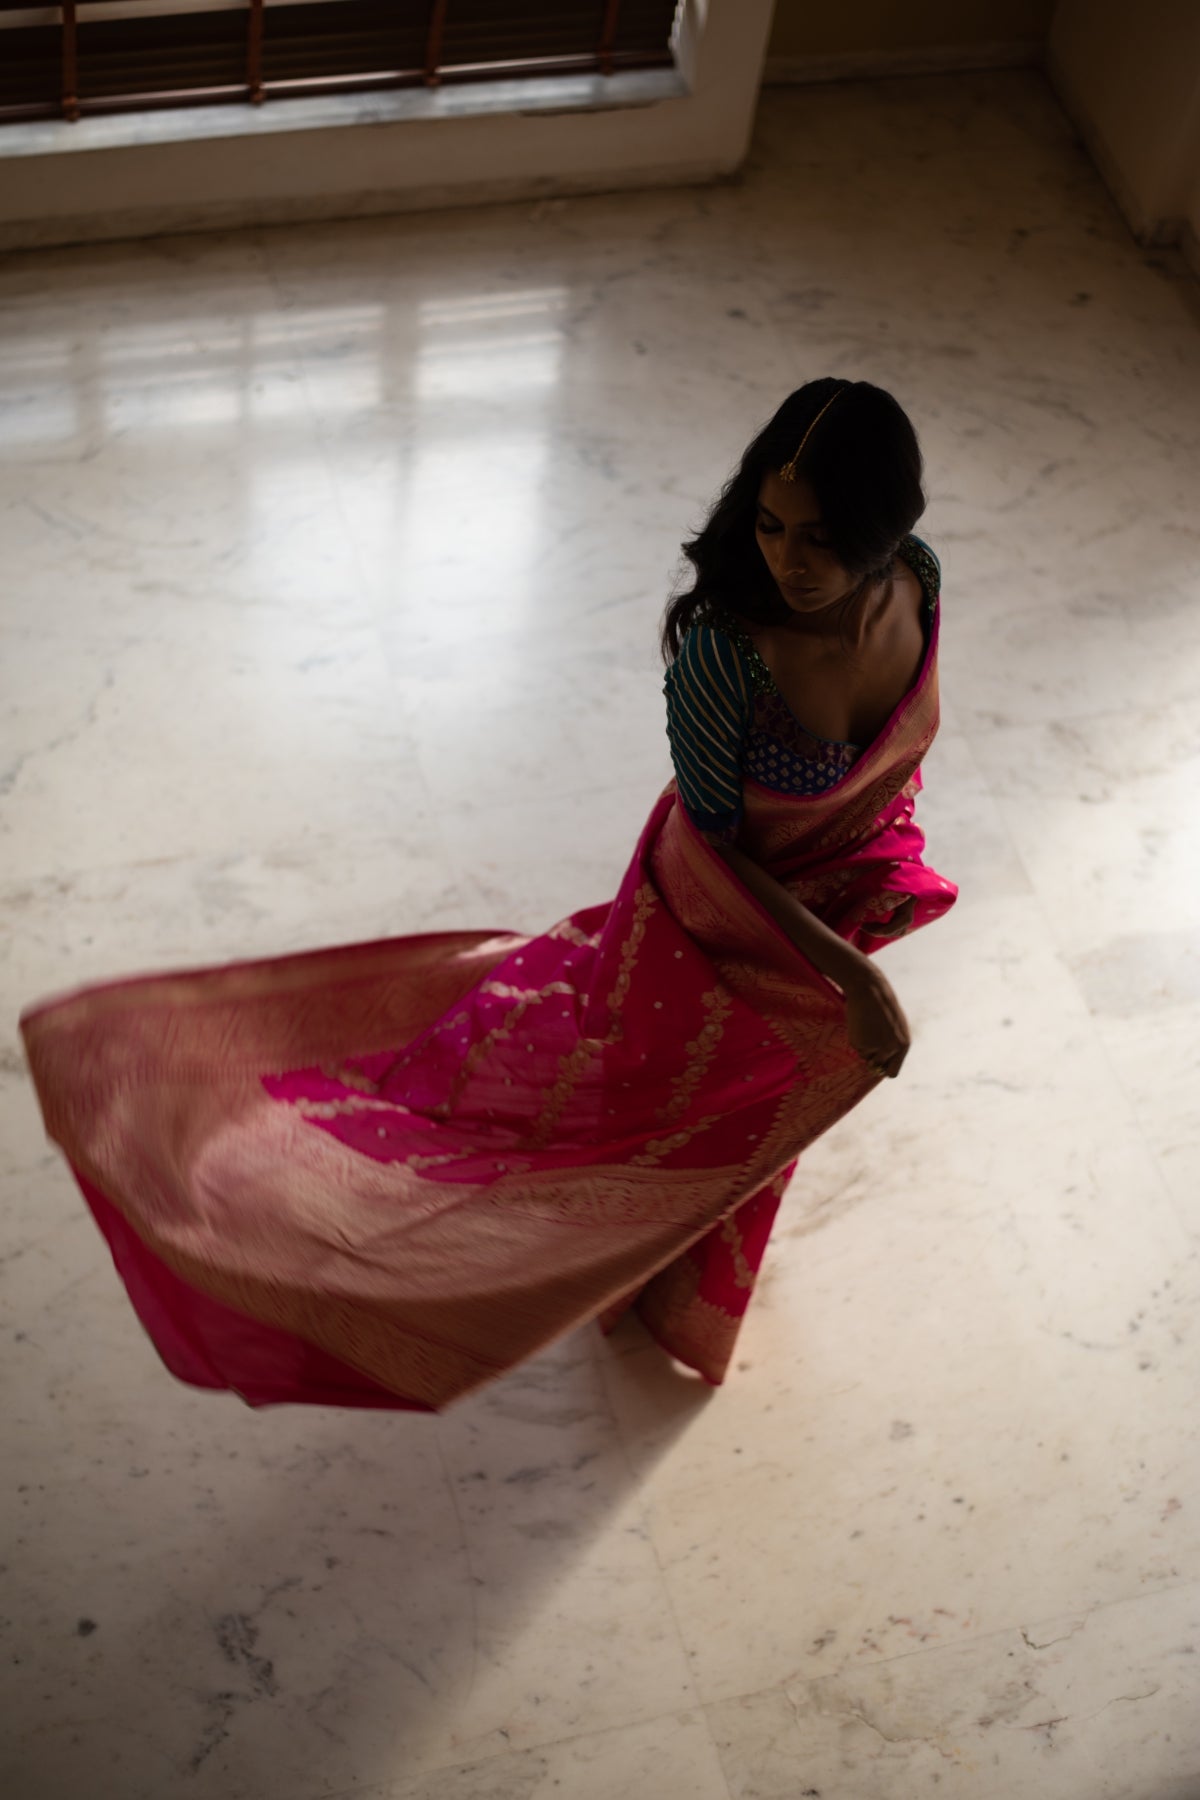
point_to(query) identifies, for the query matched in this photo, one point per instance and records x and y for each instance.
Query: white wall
(814, 40)
(115, 176)
(1128, 73)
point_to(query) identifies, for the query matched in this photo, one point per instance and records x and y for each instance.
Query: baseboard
(121, 224)
(937, 59)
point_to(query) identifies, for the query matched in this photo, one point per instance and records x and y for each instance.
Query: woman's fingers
(887, 1060)
(899, 922)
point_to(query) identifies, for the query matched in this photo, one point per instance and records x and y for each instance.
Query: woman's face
(788, 531)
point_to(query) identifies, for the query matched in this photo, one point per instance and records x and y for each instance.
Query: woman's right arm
(708, 714)
(875, 1020)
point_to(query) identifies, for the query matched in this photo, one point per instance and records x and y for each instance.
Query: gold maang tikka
(789, 470)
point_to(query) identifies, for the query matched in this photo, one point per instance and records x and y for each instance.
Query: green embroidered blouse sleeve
(928, 569)
(709, 698)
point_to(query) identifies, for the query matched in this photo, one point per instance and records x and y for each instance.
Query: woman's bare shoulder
(907, 608)
(901, 632)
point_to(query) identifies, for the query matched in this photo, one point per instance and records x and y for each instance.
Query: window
(90, 56)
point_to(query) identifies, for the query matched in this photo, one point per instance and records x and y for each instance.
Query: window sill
(543, 95)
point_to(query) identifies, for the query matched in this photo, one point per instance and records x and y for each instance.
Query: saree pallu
(384, 1174)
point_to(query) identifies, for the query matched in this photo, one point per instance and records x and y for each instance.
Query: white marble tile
(125, 540)
(1155, 1052)
(997, 1016)
(573, 1625)
(334, 563)
(533, 862)
(1055, 665)
(245, 742)
(1082, 1704)
(965, 829)
(320, 1600)
(497, 723)
(674, 1755)
(1099, 811)
(183, 912)
(242, 1604)
(953, 1335)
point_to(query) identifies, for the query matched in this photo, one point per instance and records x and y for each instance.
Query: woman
(382, 1175)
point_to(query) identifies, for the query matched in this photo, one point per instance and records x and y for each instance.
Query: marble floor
(333, 558)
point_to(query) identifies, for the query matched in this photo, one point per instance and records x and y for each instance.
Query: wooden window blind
(89, 56)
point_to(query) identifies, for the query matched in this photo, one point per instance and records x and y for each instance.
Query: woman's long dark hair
(862, 462)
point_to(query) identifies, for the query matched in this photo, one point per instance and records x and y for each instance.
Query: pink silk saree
(381, 1175)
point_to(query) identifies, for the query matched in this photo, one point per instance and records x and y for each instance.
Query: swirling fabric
(382, 1174)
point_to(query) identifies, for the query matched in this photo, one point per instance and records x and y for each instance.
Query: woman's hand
(875, 1020)
(897, 925)
(877, 1025)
